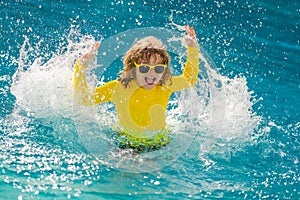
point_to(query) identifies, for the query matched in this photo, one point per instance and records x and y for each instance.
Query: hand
(89, 56)
(191, 38)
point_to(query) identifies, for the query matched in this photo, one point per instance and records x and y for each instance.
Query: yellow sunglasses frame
(151, 67)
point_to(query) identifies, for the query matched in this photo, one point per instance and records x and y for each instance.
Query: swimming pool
(235, 136)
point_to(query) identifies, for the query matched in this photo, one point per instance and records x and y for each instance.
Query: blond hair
(142, 50)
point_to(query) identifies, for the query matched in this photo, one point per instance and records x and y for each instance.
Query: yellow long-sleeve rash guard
(139, 110)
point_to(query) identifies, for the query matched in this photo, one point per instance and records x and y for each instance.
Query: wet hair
(143, 50)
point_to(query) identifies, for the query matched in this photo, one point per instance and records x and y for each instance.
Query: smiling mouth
(150, 81)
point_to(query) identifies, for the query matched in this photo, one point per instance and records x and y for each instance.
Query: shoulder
(178, 83)
(111, 85)
(167, 88)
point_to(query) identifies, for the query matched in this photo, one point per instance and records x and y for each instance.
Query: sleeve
(190, 71)
(84, 95)
(105, 92)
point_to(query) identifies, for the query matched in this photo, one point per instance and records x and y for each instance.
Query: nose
(151, 72)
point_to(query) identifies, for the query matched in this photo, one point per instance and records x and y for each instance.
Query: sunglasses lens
(159, 69)
(144, 69)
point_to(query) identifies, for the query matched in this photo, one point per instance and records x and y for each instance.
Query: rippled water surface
(234, 136)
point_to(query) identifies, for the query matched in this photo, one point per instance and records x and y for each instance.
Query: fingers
(93, 51)
(96, 46)
(191, 37)
(190, 31)
(89, 56)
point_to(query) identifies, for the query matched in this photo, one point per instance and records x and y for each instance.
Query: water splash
(217, 110)
(219, 106)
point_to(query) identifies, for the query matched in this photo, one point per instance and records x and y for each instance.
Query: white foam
(217, 109)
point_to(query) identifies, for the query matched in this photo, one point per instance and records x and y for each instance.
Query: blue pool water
(234, 136)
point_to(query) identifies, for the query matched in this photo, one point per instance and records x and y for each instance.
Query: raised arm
(83, 94)
(191, 69)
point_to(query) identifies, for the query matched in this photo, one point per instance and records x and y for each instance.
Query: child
(141, 93)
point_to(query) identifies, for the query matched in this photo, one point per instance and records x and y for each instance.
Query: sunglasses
(144, 68)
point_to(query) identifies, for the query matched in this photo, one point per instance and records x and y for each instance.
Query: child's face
(151, 78)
